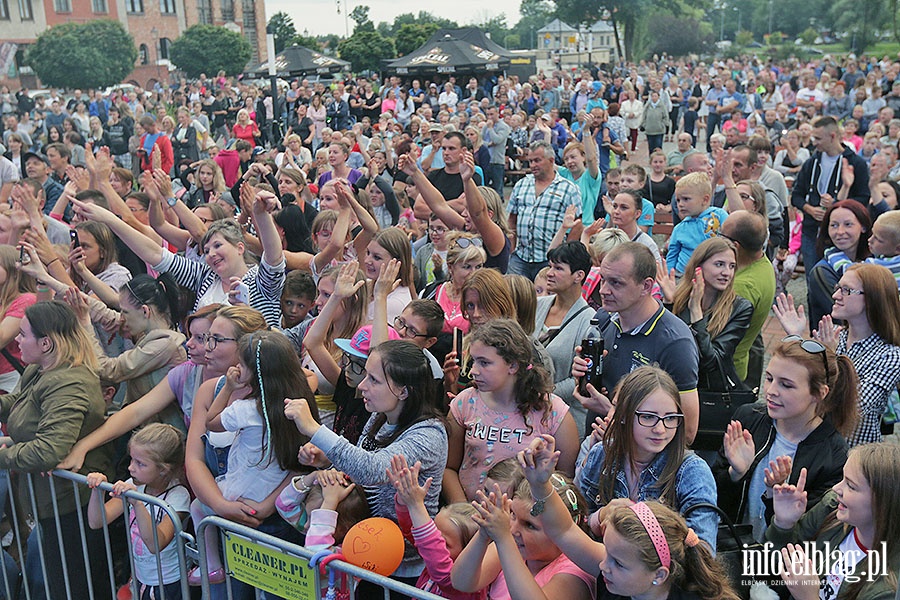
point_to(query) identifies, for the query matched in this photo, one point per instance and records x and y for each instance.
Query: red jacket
(167, 158)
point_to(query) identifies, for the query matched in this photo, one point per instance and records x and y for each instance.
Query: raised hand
(467, 166)
(789, 502)
(539, 460)
(492, 513)
(798, 573)
(387, 280)
(569, 219)
(405, 480)
(792, 319)
(778, 471)
(407, 164)
(666, 279)
(334, 491)
(78, 301)
(297, 410)
(739, 449)
(828, 332)
(696, 298)
(346, 284)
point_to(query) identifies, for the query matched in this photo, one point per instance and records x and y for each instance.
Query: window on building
(204, 12)
(144, 54)
(228, 10)
(249, 9)
(167, 7)
(62, 6)
(26, 12)
(134, 6)
(4, 10)
(99, 6)
(164, 44)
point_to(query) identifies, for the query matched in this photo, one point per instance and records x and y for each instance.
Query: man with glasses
(638, 330)
(447, 179)
(755, 281)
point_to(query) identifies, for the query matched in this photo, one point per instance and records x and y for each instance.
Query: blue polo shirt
(664, 340)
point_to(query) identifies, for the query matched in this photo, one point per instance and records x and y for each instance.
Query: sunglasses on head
(811, 347)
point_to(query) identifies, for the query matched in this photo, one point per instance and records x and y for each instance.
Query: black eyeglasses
(211, 341)
(811, 347)
(351, 365)
(649, 419)
(403, 327)
(848, 291)
(729, 238)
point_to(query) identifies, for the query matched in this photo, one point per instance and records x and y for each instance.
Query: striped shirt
(265, 282)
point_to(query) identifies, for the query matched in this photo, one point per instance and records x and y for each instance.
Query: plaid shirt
(539, 218)
(878, 366)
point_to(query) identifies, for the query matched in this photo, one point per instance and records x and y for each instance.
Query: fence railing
(255, 562)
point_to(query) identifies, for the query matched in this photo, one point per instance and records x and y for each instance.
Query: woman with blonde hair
(295, 156)
(208, 182)
(465, 256)
(246, 129)
(58, 401)
(705, 300)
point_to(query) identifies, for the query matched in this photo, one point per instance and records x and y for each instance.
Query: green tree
(495, 26)
(81, 55)
(366, 50)
(360, 16)
(306, 41)
(411, 36)
(628, 15)
(209, 49)
(678, 36)
(535, 14)
(283, 29)
(861, 19)
(423, 18)
(744, 38)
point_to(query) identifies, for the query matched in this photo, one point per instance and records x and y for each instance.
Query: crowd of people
(370, 300)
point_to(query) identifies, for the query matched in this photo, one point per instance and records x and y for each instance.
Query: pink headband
(651, 525)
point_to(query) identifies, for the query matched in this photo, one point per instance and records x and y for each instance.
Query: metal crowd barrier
(265, 566)
(23, 578)
(282, 569)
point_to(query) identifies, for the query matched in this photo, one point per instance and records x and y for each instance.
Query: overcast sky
(327, 20)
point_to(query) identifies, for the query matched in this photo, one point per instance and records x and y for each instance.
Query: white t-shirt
(144, 559)
(828, 164)
(250, 474)
(851, 552)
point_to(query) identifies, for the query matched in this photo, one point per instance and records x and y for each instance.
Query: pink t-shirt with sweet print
(493, 436)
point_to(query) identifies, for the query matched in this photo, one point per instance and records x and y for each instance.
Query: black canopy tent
(297, 61)
(453, 51)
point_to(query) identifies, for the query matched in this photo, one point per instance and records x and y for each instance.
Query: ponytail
(704, 575)
(825, 368)
(840, 404)
(161, 293)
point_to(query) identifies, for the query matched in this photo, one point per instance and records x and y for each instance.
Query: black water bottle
(592, 352)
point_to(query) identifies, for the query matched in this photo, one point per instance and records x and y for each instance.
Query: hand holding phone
(73, 236)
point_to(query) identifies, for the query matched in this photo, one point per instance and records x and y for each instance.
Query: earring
(655, 582)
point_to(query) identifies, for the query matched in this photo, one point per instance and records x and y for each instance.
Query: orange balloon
(375, 544)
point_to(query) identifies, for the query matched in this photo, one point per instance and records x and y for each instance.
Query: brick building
(154, 24)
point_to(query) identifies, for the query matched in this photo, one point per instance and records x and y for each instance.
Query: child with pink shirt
(511, 402)
(438, 541)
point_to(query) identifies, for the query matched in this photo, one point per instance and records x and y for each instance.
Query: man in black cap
(38, 167)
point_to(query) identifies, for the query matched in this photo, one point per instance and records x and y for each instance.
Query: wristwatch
(171, 202)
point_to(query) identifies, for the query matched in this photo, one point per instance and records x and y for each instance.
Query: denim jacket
(694, 483)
